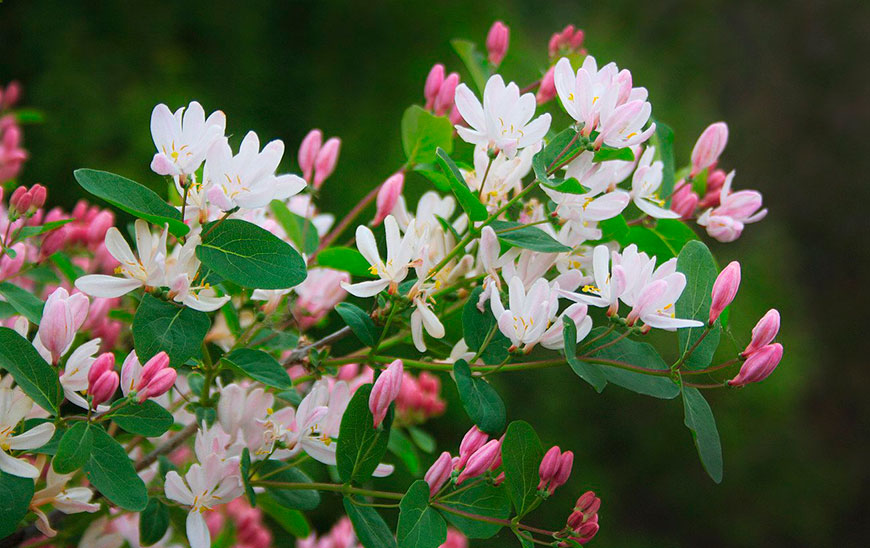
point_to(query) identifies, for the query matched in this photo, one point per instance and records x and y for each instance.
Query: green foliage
(606, 153)
(696, 262)
(35, 377)
(470, 203)
(634, 353)
(479, 399)
(663, 140)
(699, 419)
(474, 61)
(422, 439)
(369, 526)
(28, 231)
(403, 448)
(74, 448)
(359, 322)
(521, 453)
(15, 495)
(147, 419)
(24, 302)
(250, 256)
(477, 326)
(361, 446)
(132, 197)
(245, 469)
(153, 522)
(260, 366)
(564, 146)
(345, 259)
(527, 237)
(423, 133)
(300, 230)
(664, 240)
(588, 372)
(111, 472)
(297, 499)
(163, 326)
(482, 499)
(292, 521)
(420, 525)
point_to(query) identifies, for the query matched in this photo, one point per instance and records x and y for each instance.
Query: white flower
(183, 139)
(494, 179)
(181, 273)
(239, 412)
(609, 285)
(68, 500)
(14, 406)
(654, 305)
(205, 485)
(503, 121)
(645, 185)
(75, 374)
(248, 179)
(401, 251)
(148, 270)
(528, 315)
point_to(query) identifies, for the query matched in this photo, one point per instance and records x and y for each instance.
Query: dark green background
(788, 77)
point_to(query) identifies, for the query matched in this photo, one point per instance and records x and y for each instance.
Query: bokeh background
(790, 78)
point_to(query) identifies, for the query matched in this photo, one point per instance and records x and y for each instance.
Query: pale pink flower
(62, 316)
(183, 138)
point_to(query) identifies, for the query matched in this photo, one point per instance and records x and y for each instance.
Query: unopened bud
(764, 332)
(326, 160)
(724, 289)
(308, 152)
(709, 146)
(388, 195)
(759, 365)
(497, 40)
(439, 473)
(433, 84)
(547, 89)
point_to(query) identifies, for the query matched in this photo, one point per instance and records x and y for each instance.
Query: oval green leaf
(35, 377)
(260, 366)
(111, 472)
(74, 448)
(420, 525)
(470, 204)
(521, 454)
(479, 399)
(361, 446)
(147, 419)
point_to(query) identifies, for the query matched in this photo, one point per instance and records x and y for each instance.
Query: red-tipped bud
(549, 466)
(547, 89)
(709, 146)
(104, 387)
(104, 362)
(764, 332)
(99, 226)
(588, 503)
(566, 463)
(385, 391)
(39, 194)
(388, 195)
(446, 94)
(16, 198)
(308, 152)
(497, 40)
(12, 94)
(473, 440)
(439, 473)
(724, 289)
(684, 201)
(433, 84)
(326, 160)
(759, 365)
(159, 384)
(153, 366)
(480, 461)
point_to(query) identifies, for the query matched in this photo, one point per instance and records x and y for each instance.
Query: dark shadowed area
(791, 80)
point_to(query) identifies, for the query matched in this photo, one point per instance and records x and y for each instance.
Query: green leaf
(663, 140)
(369, 526)
(245, 469)
(297, 499)
(470, 204)
(614, 229)
(260, 366)
(422, 439)
(560, 148)
(483, 499)
(74, 448)
(70, 271)
(345, 259)
(606, 153)
(420, 525)
(153, 522)
(359, 322)
(300, 230)
(403, 448)
(132, 197)
(438, 179)
(521, 454)
(474, 61)
(527, 237)
(664, 241)
(162, 326)
(699, 419)
(111, 472)
(588, 372)
(565, 186)
(292, 521)
(147, 419)
(250, 256)
(15, 496)
(24, 302)
(423, 133)
(634, 353)
(35, 377)
(28, 231)
(696, 262)
(29, 116)
(477, 326)
(361, 446)
(480, 400)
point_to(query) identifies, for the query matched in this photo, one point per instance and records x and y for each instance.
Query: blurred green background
(788, 77)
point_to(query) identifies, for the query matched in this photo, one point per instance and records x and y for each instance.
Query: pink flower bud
(99, 226)
(709, 146)
(764, 332)
(325, 162)
(554, 44)
(308, 152)
(104, 387)
(724, 289)
(104, 362)
(588, 503)
(684, 201)
(759, 365)
(39, 194)
(497, 40)
(566, 463)
(547, 89)
(433, 84)
(446, 93)
(385, 390)
(153, 366)
(439, 473)
(473, 440)
(388, 195)
(159, 384)
(12, 94)
(480, 461)
(16, 196)
(62, 316)
(549, 466)
(9, 267)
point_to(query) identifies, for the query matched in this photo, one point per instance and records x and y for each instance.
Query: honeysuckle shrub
(174, 379)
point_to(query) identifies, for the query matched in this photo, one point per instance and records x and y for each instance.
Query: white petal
(100, 285)
(17, 467)
(197, 531)
(365, 289)
(33, 438)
